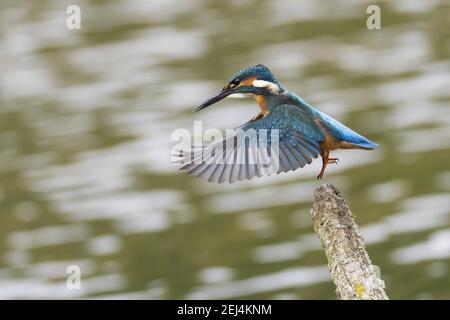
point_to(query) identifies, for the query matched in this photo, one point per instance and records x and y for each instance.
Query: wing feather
(237, 158)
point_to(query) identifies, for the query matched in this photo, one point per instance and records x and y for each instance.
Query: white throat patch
(267, 84)
(238, 95)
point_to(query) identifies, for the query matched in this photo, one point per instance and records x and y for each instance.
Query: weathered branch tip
(351, 269)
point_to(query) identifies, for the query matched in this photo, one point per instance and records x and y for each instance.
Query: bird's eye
(235, 82)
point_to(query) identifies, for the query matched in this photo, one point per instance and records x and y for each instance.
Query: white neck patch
(237, 95)
(274, 88)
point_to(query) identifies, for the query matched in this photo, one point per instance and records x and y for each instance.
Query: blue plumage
(344, 133)
(337, 129)
(260, 71)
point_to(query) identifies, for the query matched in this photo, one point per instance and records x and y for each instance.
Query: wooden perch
(351, 269)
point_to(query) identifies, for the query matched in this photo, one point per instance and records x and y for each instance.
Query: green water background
(86, 118)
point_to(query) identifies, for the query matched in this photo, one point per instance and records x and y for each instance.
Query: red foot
(326, 160)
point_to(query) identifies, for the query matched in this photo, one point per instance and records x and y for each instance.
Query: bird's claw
(333, 160)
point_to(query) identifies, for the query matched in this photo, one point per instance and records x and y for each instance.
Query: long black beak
(220, 96)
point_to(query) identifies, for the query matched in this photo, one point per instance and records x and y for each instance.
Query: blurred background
(86, 118)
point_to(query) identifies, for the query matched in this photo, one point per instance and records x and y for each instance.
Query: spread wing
(285, 139)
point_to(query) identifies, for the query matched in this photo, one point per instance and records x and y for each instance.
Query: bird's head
(256, 80)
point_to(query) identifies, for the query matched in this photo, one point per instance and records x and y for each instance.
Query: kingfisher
(303, 133)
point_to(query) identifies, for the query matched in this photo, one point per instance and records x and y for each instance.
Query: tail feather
(364, 145)
(344, 133)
